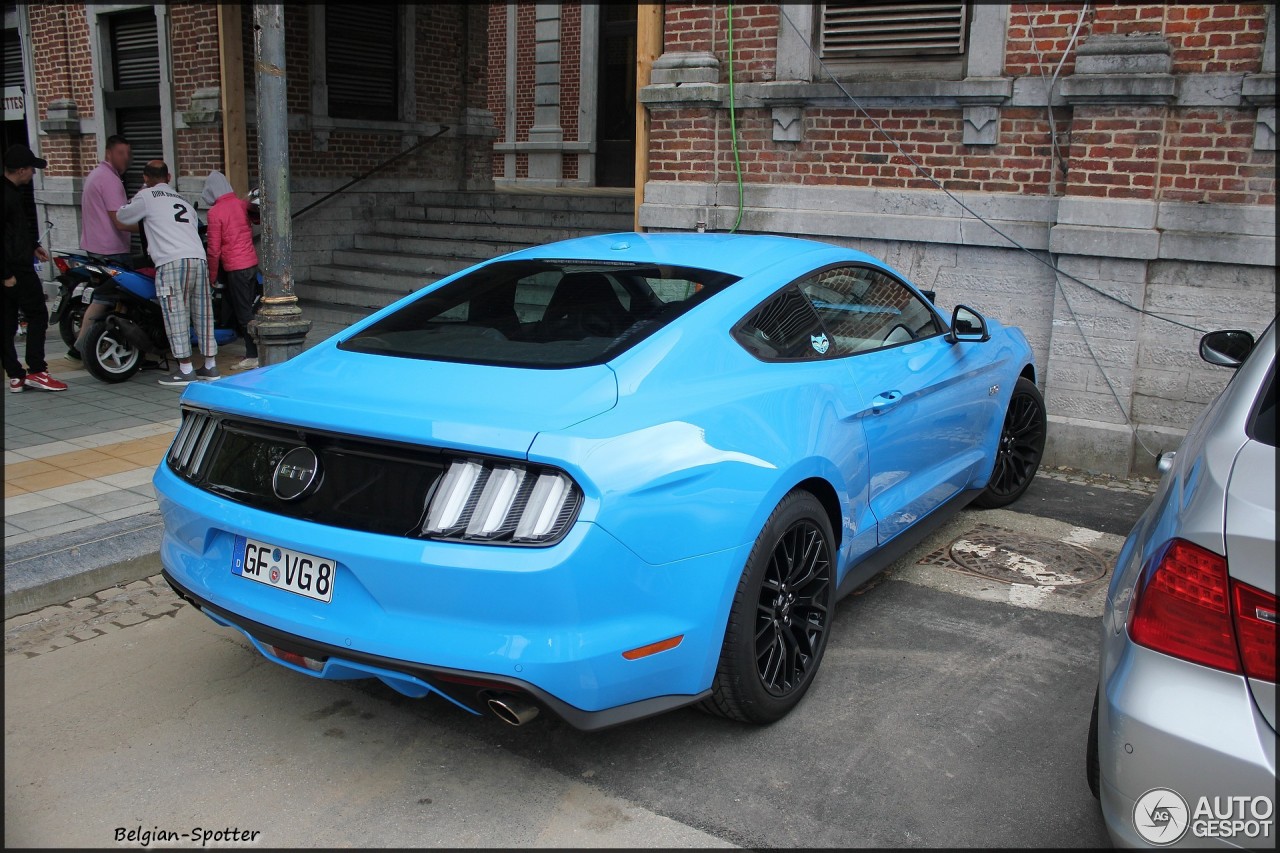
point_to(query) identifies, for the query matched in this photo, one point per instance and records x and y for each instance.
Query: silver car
(1182, 744)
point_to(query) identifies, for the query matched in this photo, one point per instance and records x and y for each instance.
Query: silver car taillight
(501, 502)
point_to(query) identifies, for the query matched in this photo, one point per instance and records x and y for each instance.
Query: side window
(784, 328)
(865, 308)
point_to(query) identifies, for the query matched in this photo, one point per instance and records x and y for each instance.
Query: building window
(133, 98)
(362, 61)
(902, 40)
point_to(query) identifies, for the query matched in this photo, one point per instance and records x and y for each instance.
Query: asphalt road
(948, 712)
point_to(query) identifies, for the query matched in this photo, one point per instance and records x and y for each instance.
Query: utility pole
(280, 327)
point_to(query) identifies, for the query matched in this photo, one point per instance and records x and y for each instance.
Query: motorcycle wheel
(108, 356)
(69, 322)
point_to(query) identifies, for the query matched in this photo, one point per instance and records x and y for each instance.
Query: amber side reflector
(653, 648)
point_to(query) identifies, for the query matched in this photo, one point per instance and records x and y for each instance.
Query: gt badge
(297, 474)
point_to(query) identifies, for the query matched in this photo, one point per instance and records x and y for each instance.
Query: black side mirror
(1228, 347)
(967, 325)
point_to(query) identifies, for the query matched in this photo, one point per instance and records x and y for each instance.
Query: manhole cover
(1016, 558)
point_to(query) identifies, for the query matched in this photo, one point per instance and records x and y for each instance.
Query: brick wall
(193, 39)
(497, 88)
(1123, 152)
(841, 147)
(59, 38)
(703, 27)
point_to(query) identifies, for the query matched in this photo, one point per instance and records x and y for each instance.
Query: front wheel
(1021, 446)
(108, 355)
(781, 616)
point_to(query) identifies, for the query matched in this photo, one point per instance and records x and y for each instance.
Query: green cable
(733, 126)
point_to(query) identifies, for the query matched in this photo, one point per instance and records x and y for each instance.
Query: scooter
(76, 273)
(116, 344)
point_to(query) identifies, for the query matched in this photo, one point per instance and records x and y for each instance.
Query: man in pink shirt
(101, 233)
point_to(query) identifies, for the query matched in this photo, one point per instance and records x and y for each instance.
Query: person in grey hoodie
(229, 245)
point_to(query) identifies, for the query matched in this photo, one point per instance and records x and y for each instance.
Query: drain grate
(1010, 557)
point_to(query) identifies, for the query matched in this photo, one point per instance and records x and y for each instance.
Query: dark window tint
(560, 313)
(1263, 423)
(863, 308)
(784, 328)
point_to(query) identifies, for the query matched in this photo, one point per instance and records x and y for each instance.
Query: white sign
(15, 105)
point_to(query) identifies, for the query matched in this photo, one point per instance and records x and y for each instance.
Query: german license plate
(283, 568)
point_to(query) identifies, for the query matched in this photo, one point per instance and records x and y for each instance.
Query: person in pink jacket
(230, 248)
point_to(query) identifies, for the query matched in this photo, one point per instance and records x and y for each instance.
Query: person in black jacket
(22, 289)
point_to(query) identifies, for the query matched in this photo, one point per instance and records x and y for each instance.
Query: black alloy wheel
(781, 615)
(1020, 449)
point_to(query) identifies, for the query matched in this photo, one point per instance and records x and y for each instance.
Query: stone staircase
(443, 232)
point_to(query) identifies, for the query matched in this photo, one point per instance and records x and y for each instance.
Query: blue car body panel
(682, 446)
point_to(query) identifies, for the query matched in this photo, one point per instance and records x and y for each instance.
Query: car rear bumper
(1167, 723)
(551, 623)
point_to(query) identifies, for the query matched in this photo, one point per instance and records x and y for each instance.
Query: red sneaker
(45, 382)
(16, 385)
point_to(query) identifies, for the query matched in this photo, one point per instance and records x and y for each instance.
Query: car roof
(736, 254)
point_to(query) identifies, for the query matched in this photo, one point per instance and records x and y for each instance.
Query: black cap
(19, 157)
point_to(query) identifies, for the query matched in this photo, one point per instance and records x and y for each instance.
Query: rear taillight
(1181, 607)
(61, 264)
(1185, 605)
(484, 501)
(1255, 613)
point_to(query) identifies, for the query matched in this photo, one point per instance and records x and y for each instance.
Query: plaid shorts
(182, 287)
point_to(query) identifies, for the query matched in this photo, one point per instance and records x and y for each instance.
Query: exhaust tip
(513, 710)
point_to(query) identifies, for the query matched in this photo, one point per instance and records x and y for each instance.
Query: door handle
(884, 401)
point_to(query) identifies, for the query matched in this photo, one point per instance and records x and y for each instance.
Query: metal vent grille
(136, 50)
(857, 30)
(362, 60)
(191, 444)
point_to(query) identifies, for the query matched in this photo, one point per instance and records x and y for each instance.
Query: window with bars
(853, 31)
(362, 61)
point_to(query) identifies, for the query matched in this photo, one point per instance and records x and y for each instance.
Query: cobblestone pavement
(111, 609)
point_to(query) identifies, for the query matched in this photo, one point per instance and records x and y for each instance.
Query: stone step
(436, 247)
(361, 277)
(595, 202)
(346, 296)
(569, 218)
(320, 311)
(460, 229)
(425, 267)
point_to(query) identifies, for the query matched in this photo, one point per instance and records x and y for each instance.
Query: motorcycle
(115, 345)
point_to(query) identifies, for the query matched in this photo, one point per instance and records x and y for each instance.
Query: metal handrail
(443, 129)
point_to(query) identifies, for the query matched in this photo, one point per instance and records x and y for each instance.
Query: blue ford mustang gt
(603, 478)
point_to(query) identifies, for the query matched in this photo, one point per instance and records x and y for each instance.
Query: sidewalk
(79, 510)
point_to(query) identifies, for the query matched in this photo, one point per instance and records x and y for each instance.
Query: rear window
(560, 313)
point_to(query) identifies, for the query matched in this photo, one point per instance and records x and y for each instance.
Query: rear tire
(781, 616)
(1020, 449)
(108, 356)
(69, 322)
